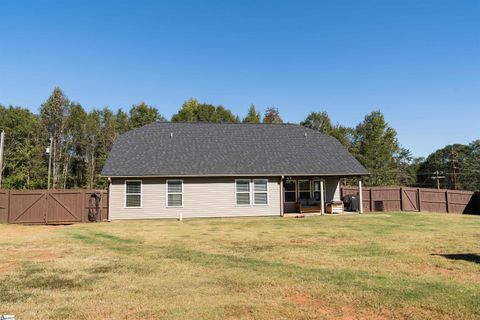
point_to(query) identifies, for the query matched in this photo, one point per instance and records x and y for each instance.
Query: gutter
(241, 175)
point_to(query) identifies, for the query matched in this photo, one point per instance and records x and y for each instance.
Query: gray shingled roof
(194, 149)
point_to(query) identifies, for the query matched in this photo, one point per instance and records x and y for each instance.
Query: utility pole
(437, 177)
(2, 135)
(454, 169)
(49, 151)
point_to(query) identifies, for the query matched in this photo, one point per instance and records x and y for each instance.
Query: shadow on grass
(396, 288)
(33, 277)
(106, 240)
(470, 257)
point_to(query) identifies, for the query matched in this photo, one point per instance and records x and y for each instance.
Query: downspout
(322, 197)
(281, 197)
(360, 195)
(108, 200)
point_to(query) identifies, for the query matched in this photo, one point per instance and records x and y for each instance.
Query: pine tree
(253, 116)
(406, 166)
(375, 145)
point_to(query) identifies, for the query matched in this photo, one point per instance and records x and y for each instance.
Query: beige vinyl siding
(332, 189)
(202, 197)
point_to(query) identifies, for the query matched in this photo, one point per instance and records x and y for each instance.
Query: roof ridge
(230, 123)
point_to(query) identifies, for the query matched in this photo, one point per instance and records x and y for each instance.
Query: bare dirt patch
(12, 258)
(337, 309)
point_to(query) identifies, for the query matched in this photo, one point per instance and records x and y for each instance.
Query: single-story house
(186, 170)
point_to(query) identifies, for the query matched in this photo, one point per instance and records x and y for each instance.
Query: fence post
(446, 201)
(360, 195)
(419, 196)
(85, 205)
(9, 194)
(371, 199)
(402, 207)
(45, 207)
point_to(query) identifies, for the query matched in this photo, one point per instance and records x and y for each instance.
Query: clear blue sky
(416, 61)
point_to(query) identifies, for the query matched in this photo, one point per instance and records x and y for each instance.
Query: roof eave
(241, 175)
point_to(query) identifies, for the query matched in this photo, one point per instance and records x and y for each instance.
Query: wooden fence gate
(49, 206)
(410, 200)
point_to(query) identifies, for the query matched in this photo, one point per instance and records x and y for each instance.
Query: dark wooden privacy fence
(416, 199)
(50, 206)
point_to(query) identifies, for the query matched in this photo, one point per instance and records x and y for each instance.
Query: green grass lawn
(371, 266)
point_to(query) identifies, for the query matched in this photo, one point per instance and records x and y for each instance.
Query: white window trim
(249, 193)
(167, 193)
(125, 196)
(324, 189)
(294, 191)
(253, 193)
(298, 188)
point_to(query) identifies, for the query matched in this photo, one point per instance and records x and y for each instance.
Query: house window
(174, 193)
(290, 191)
(316, 190)
(242, 191)
(133, 194)
(260, 191)
(304, 189)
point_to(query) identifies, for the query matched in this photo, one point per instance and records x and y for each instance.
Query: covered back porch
(313, 194)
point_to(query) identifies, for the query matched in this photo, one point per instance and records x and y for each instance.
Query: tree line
(79, 142)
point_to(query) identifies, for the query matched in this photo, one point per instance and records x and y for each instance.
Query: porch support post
(281, 197)
(109, 196)
(360, 196)
(322, 200)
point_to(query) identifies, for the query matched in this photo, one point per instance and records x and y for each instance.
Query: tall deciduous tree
(318, 121)
(106, 137)
(82, 140)
(444, 160)
(253, 116)
(24, 165)
(375, 146)
(142, 114)
(272, 115)
(93, 138)
(54, 114)
(76, 131)
(122, 124)
(470, 171)
(193, 111)
(321, 121)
